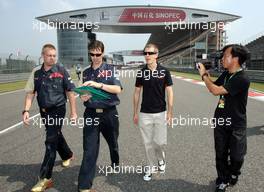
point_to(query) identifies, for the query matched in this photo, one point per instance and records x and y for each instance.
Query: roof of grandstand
(170, 27)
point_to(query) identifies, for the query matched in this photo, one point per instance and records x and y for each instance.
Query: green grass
(253, 85)
(257, 86)
(5, 87)
(12, 86)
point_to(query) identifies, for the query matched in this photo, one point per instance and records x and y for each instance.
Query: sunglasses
(149, 53)
(97, 54)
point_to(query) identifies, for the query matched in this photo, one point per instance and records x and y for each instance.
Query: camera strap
(221, 103)
(227, 80)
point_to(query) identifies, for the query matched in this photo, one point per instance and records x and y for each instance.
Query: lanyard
(227, 80)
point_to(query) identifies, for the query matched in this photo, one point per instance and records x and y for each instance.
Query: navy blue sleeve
(116, 78)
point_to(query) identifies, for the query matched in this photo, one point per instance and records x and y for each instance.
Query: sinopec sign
(145, 15)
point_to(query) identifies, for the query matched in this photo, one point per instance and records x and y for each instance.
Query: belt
(101, 110)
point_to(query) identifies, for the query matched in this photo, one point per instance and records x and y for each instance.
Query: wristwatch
(205, 74)
(24, 111)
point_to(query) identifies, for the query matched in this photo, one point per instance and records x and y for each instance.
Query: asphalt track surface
(190, 149)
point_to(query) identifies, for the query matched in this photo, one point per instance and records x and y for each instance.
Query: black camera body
(210, 61)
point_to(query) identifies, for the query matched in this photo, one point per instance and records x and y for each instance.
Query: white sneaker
(221, 188)
(148, 174)
(162, 166)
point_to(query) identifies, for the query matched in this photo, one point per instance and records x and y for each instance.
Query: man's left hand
(169, 118)
(201, 69)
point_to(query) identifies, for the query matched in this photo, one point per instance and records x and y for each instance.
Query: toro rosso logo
(56, 75)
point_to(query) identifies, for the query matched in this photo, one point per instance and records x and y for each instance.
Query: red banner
(144, 15)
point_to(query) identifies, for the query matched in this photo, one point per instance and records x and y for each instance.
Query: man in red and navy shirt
(52, 85)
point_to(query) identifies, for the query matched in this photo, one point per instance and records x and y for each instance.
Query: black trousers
(230, 149)
(53, 120)
(108, 124)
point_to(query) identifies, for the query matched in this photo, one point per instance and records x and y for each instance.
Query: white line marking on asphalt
(201, 83)
(259, 98)
(190, 80)
(21, 123)
(11, 92)
(16, 125)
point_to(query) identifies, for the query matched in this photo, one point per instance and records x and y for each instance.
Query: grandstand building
(181, 33)
(256, 48)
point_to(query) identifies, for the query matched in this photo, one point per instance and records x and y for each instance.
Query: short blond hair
(149, 45)
(47, 46)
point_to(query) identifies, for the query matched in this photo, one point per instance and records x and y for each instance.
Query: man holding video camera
(230, 139)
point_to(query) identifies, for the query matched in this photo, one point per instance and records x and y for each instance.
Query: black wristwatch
(24, 111)
(205, 74)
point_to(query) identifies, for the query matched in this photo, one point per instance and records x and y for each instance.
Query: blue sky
(17, 17)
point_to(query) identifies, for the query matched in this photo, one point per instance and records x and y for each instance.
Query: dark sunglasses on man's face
(97, 54)
(149, 53)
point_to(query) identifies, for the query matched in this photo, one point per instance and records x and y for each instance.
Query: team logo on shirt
(55, 75)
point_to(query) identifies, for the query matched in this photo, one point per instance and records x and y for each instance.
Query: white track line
(259, 98)
(14, 126)
(5, 93)
(20, 123)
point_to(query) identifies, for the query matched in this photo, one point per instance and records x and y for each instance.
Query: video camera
(210, 61)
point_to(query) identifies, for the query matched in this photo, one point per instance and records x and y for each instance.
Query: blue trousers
(108, 124)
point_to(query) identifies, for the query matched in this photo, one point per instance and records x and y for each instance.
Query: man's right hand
(85, 98)
(26, 118)
(135, 119)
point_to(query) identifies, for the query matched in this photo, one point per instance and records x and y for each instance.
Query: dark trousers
(230, 149)
(108, 124)
(53, 120)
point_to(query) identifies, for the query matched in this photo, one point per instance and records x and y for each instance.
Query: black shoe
(221, 187)
(218, 181)
(115, 167)
(233, 179)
